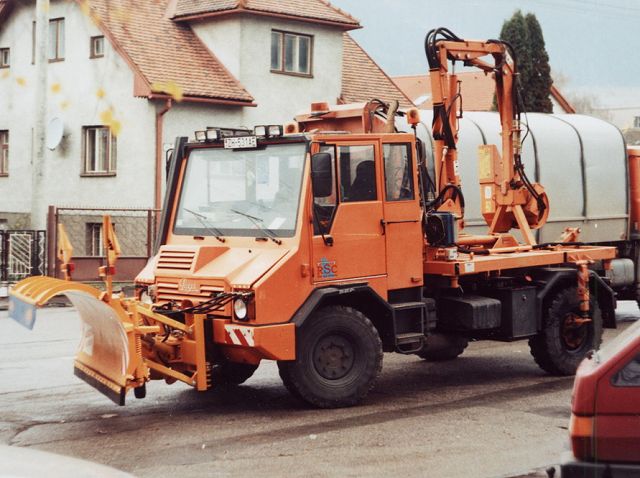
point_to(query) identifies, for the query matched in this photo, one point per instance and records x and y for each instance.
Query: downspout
(157, 204)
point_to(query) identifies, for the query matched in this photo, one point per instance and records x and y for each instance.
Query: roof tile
(165, 52)
(363, 79)
(305, 9)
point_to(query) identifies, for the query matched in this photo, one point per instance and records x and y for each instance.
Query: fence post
(4, 255)
(149, 232)
(52, 238)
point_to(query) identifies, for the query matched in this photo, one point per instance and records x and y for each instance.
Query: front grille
(169, 290)
(175, 259)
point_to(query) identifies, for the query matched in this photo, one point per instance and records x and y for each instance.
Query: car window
(629, 376)
(357, 173)
(397, 172)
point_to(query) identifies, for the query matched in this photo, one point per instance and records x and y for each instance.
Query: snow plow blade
(109, 356)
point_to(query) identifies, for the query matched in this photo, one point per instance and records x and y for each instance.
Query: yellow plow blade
(107, 357)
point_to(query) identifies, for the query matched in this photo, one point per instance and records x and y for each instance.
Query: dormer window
(291, 53)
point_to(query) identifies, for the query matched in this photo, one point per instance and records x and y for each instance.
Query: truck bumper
(572, 468)
(273, 342)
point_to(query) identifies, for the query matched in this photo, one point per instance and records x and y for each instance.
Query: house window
(5, 58)
(56, 39)
(97, 47)
(291, 53)
(4, 153)
(99, 149)
(94, 239)
(636, 122)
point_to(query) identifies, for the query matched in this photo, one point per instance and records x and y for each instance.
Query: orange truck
(319, 245)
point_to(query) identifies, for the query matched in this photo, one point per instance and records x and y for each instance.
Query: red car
(605, 411)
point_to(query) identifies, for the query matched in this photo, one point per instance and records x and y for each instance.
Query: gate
(135, 228)
(22, 254)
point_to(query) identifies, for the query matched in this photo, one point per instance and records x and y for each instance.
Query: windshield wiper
(203, 220)
(258, 223)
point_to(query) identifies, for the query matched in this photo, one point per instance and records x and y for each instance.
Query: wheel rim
(333, 356)
(575, 331)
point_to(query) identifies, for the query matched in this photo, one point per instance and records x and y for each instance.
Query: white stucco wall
(243, 44)
(223, 37)
(73, 96)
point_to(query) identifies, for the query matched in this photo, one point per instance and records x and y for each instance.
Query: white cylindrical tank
(581, 162)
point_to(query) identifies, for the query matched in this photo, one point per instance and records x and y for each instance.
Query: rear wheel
(441, 347)
(566, 338)
(339, 356)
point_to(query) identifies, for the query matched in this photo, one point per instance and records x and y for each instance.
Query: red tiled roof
(478, 90)
(304, 10)
(5, 9)
(164, 52)
(363, 79)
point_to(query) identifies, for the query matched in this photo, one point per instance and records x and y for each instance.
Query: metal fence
(136, 230)
(23, 253)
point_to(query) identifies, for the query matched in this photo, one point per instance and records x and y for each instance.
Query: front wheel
(566, 338)
(339, 356)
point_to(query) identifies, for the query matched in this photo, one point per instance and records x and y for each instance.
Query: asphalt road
(490, 413)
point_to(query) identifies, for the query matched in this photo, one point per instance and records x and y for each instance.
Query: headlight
(240, 309)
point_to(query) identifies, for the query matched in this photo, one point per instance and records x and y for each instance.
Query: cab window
(629, 376)
(357, 173)
(397, 172)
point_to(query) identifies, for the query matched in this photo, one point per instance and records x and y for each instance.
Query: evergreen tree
(525, 35)
(540, 80)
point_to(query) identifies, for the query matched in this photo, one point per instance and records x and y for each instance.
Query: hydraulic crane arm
(508, 198)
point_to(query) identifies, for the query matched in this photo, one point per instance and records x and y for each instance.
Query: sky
(593, 44)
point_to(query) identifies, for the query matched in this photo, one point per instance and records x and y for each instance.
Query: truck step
(409, 338)
(407, 305)
(409, 343)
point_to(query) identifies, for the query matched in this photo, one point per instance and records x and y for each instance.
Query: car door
(354, 246)
(402, 216)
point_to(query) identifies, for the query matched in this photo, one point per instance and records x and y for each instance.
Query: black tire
(442, 347)
(232, 373)
(140, 392)
(561, 345)
(339, 357)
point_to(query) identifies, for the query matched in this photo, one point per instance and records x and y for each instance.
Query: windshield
(251, 193)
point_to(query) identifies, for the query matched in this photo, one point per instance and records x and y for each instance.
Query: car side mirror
(321, 175)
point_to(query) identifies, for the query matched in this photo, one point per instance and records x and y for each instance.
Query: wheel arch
(358, 296)
(557, 278)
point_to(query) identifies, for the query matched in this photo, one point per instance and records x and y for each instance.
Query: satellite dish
(55, 131)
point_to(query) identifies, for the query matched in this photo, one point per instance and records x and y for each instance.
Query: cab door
(402, 216)
(348, 239)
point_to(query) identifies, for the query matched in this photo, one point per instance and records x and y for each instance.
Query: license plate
(22, 312)
(240, 142)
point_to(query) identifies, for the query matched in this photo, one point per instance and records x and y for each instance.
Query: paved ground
(491, 413)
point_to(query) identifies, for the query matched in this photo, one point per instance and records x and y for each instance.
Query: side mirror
(321, 175)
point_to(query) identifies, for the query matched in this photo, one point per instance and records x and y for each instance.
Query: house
(125, 78)
(477, 92)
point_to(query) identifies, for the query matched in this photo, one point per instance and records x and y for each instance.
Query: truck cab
(283, 224)
(605, 411)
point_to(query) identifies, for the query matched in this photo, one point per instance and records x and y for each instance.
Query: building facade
(124, 79)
